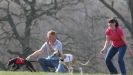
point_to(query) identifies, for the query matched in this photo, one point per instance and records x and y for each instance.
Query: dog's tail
(84, 63)
(87, 61)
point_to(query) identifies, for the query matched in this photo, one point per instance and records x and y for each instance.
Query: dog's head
(11, 63)
(59, 54)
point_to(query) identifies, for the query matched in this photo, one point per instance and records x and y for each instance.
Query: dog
(70, 62)
(15, 63)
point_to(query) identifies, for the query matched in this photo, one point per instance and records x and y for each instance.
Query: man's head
(51, 35)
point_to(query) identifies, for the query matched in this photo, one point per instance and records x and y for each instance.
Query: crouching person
(50, 46)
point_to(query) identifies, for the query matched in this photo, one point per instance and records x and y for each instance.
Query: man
(50, 46)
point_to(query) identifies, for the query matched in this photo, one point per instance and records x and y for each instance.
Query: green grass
(33, 73)
(40, 73)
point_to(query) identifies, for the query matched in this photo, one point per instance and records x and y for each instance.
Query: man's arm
(35, 54)
(38, 52)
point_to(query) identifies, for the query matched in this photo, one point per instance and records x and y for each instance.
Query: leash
(33, 61)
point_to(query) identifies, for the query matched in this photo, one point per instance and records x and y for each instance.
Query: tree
(28, 12)
(128, 24)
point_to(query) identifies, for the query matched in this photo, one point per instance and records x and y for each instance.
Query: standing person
(50, 46)
(115, 36)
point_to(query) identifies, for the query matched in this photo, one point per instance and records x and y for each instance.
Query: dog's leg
(30, 66)
(81, 70)
(71, 70)
(17, 67)
(11, 64)
(12, 67)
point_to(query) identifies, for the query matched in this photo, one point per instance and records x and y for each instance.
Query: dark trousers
(111, 52)
(50, 63)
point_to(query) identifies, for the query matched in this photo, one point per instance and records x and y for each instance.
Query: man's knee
(40, 60)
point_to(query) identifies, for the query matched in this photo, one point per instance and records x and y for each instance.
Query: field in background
(34, 73)
(40, 73)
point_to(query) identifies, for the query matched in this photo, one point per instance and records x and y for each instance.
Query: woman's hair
(113, 20)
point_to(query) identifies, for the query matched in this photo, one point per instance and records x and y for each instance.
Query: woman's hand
(102, 51)
(105, 45)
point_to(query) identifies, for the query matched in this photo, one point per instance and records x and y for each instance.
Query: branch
(29, 19)
(27, 2)
(22, 6)
(127, 24)
(130, 3)
(58, 5)
(14, 53)
(4, 18)
(11, 23)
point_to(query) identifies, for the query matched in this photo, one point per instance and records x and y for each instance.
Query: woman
(115, 36)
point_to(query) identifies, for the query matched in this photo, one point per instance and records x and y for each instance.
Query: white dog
(71, 62)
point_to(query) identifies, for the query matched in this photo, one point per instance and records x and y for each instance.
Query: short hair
(51, 32)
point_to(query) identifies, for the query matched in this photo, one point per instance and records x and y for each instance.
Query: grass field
(33, 73)
(39, 73)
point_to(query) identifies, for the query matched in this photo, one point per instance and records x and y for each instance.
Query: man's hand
(28, 58)
(55, 53)
(48, 42)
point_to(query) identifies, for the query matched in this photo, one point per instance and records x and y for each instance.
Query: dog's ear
(59, 53)
(9, 61)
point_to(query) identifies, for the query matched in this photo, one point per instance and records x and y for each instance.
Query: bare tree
(29, 12)
(128, 24)
(25, 14)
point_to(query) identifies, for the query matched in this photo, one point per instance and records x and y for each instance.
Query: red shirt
(115, 36)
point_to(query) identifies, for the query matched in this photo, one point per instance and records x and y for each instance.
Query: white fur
(68, 62)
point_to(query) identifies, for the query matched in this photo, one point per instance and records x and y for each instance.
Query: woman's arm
(125, 40)
(105, 44)
(130, 51)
